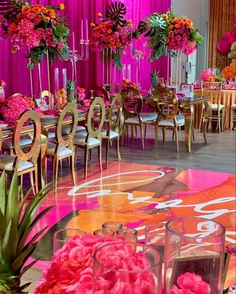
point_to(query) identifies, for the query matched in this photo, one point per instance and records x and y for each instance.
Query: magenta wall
(13, 66)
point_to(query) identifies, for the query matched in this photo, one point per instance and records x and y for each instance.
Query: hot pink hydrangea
(14, 107)
(71, 269)
(207, 75)
(190, 283)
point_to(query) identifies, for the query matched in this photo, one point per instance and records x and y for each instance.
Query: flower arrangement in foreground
(190, 283)
(71, 269)
(14, 106)
(127, 84)
(39, 28)
(112, 32)
(168, 33)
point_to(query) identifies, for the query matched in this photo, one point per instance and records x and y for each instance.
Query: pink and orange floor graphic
(137, 195)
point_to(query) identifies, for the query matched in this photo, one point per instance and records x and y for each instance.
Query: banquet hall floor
(138, 191)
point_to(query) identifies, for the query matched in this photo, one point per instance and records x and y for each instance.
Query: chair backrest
(115, 114)
(132, 102)
(101, 92)
(167, 102)
(32, 152)
(66, 140)
(97, 107)
(46, 94)
(212, 90)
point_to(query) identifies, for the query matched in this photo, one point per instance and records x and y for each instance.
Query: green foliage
(154, 78)
(17, 219)
(70, 88)
(117, 60)
(116, 12)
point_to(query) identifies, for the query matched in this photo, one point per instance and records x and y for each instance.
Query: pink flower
(2, 84)
(190, 283)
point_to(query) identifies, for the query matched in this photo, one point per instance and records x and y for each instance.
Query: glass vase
(194, 245)
(60, 237)
(126, 267)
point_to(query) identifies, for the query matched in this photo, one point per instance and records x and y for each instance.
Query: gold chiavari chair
(63, 146)
(101, 92)
(168, 109)
(24, 161)
(114, 126)
(92, 136)
(216, 110)
(134, 116)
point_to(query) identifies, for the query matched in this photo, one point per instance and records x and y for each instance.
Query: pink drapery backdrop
(13, 67)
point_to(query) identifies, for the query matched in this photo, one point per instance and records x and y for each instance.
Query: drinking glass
(230, 266)
(127, 266)
(112, 225)
(155, 237)
(92, 97)
(62, 236)
(104, 232)
(127, 234)
(194, 245)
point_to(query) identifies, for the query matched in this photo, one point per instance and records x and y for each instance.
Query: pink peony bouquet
(207, 75)
(14, 106)
(190, 283)
(72, 268)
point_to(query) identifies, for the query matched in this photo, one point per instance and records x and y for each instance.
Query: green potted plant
(17, 218)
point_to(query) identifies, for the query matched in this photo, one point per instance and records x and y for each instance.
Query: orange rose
(36, 9)
(99, 14)
(44, 10)
(171, 27)
(177, 26)
(12, 27)
(171, 34)
(25, 9)
(47, 18)
(109, 31)
(51, 13)
(61, 6)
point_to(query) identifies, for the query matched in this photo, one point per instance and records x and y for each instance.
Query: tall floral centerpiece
(112, 32)
(170, 35)
(38, 27)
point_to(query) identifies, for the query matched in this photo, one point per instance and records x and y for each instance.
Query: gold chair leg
(177, 139)
(204, 131)
(142, 135)
(145, 130)
(219, 122)
(32, 182)
(118, 149)
(86, 161)
(100, 156)
(164, 135)
(72, 159)
(107, 151)
(156, 134)
(36, 180)
(55, 172)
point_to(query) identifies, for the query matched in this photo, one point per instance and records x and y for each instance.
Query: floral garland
(169, 34)
(112, 32)
(39, 28)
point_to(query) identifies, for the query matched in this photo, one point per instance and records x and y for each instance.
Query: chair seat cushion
(8, 144)
(62, 151)
(170, 122)
(80, 140)
(145, 117)
(7, 161)
(112, 135)
(215, 106)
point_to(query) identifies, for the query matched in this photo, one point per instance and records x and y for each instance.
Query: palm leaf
(116, 12)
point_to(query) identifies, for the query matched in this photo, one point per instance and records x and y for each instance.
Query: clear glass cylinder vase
(196, 246)
(126, 267)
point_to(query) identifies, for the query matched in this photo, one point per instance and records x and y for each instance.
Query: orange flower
(92, 25)
(109, 31)
(12, 27)
(167, 40)
(47, 18)
(44, 10)
(129, 21)
(99, 14)
(61, 6)
(171, 27)
(171, 34)
(25, 9)
(177, 26)
(51, 13)
(36, 9)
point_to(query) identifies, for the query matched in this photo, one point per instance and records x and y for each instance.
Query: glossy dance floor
(137, 195)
